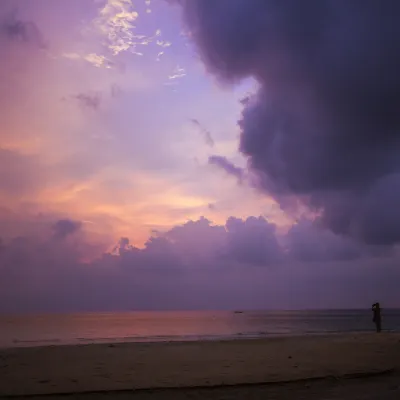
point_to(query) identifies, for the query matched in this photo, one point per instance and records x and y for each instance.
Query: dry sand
(127, 366)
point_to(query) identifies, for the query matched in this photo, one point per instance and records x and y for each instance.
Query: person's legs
(378, 326)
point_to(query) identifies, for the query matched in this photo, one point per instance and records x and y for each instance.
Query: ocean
(59, 329)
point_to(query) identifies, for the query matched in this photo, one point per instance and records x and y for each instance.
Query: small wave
(154, 338)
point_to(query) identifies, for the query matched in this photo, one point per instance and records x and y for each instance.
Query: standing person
(376, 309)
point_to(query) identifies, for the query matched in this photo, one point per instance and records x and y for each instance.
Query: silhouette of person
(376, 309)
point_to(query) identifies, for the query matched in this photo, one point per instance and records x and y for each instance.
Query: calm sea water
(54, 329)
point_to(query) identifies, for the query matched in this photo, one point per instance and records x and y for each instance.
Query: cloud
(307, 242)
(324, 125)
(17, 30)
(65, 227)
(206, 133)
(89, 100)
(94, 99)
(119, 30)
(177, 73)
(117, 22)
(253, 241)
(244, 263)
(94, 59)
(230, 168)
(98, 61)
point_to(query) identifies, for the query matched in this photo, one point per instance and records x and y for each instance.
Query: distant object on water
(238, 312)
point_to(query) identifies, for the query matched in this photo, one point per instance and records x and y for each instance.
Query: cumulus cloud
(244, 263)
(324, 124)
(252, 241)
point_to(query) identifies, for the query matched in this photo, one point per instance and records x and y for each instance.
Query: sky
(185, 154)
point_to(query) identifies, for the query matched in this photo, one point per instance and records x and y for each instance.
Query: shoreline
(21, 344)
(132, 366)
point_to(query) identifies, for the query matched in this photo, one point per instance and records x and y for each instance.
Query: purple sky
(198, 154)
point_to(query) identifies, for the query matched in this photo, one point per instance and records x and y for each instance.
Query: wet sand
(129, 366)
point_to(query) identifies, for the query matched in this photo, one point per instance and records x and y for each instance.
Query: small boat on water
(238, 312)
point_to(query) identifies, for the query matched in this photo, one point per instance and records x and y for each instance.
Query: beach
(114, 367)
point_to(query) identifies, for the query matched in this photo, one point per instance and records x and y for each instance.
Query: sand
(385, 387)
(127, 366)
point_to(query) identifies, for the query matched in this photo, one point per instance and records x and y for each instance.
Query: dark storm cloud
(324, 124)
(227, 166)
(307, 242)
